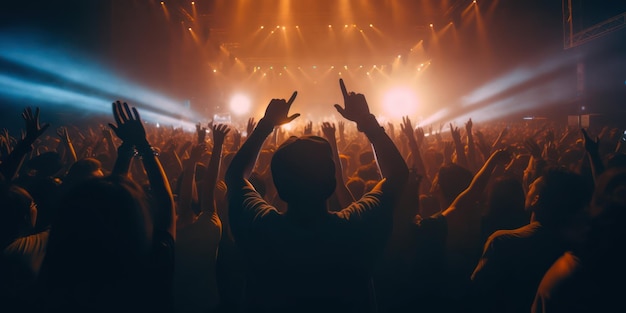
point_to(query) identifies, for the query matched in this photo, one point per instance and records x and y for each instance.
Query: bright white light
(240, 104)
(400, 101)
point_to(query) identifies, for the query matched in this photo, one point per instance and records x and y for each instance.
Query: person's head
(18, 214)
(109, 219)
(84, 169)
(452, 179)
(506, 196)
(303, 170)
(557, 196)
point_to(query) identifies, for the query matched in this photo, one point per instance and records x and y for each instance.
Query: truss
(573, 39)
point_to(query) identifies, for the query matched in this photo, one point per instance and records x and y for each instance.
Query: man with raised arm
(309, 259)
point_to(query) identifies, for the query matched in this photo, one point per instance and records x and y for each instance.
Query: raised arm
(593, 152)
(344, 197)
(418, 162)
(129, 129)
(11, 165)
(207, 197)
(391, 163)
(478, 184)
(242, 164)
(461, 159)
(188, 195)
(471, 147)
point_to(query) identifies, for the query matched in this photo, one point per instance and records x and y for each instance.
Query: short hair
(562, 195)
(303, 169)
(453, 179)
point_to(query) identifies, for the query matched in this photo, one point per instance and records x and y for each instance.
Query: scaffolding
(573, 39)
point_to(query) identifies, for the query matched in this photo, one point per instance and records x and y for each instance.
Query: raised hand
(308, 128)
(501, 156)
(406, 127)
(251, 126)
(456, 133)
(468, 126)
(62, 133)
(277, 110)
(533, 148)
(419, 136)
(328, 130)
(341, 126)
(129, 126)
(591, 145)
(33, 128)
(201, 132)
(219, 133)
(356, 108)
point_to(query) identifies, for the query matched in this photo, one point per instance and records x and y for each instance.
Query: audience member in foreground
(111, 247)
(309, 259)
(591, 277)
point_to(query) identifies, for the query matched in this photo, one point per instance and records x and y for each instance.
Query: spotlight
(371, 25)
(431, 25)
(400, 101)
(277, 26)
(214, 71)
(284, 27)
(330, 26)
(240, 104)
(189, 28)
(162, 2)
(345, 26)
(474, 1)
(345, 67)
(262, 27)
(297, 26)
(193, 2)
(399, 56)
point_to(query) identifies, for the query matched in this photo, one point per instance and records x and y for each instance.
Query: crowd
(351, 216)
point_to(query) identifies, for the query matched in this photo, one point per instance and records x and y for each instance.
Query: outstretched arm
(478, 185)
(342, 192)
(130, 130)
(11, 165)
(392, 165)
(242, 164)
(207, 198)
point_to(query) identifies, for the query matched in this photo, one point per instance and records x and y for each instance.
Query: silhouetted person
(309, 259)
(591, 278)
(514, 261)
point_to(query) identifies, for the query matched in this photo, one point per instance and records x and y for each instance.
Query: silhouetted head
(17, 216)
(303, 170)
(506, 196)
(82, 170)
(452, 180)
(557, 196)
(108, 219)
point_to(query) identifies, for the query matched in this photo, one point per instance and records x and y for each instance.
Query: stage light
(332, 67)
(297, 26)
(360, 66)
(284, 27)
(399, 56)
(345, 67)
(192, 2)
(371, 25)
(431, 25)
(400, 101)
(162, 2)
(189, 28)
(361, 30)
(345, 26)
(240, 104)
(272, 32)
(368, 73)
(474, 1)
(262, 27)
(329, 26)
(68, 66)
(277, 26)
(287, 127)
(214, 71)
